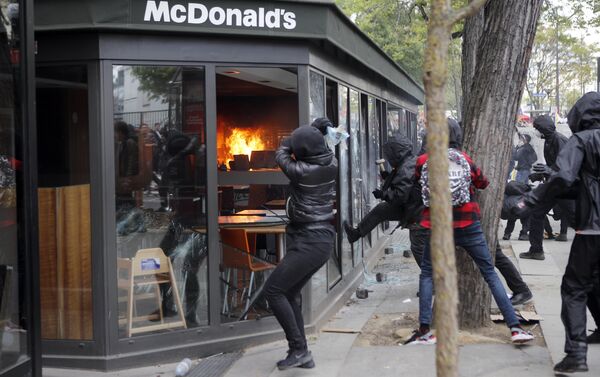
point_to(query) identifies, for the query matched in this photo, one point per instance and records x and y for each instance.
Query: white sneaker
(520, 336)
(421, 339)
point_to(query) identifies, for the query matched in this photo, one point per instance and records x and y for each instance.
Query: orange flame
(242, 141)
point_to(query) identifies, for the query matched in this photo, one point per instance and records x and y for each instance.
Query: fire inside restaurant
(163, 209)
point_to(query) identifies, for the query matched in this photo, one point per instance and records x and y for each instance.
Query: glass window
(257, 107)
(64, 202)
(14, 323)
(371, 173)
(160, 197)
(345, 193)
(364, 161)
(355, 170)
(317, 96)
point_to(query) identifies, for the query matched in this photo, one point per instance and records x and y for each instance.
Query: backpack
(459, 174)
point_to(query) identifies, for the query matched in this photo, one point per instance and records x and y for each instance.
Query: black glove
(535, 177)
(521, 209)
(543, 169)
(384, 174)
(378, 194)
(287, 143)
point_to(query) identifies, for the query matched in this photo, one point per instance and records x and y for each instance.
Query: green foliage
(156, 81)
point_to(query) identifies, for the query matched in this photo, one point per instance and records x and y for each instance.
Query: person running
(312, 170)
(465, 177)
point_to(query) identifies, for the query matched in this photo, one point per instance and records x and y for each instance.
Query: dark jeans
(419, 237)
(509, 272)
(510, 226)
(383, 211)
(577, 283)
(307, 250)
(472, 240)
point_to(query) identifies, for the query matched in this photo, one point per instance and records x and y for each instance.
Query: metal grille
(215, 366)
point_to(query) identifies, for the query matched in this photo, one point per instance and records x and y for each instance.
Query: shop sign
(197, 13)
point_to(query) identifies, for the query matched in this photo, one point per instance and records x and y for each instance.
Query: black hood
(455, 134)
(545, 125)
(397, 150)
(585, 113)
(308, 142)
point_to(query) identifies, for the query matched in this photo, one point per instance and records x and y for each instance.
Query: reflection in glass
(317, 96)
(160, 197)
(355, 172)
(344, 194)
(13, 320)
(257, 107)
(374, 180)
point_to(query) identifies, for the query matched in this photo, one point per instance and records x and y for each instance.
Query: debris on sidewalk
(340, 330)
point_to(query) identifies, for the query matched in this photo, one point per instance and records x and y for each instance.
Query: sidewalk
(375, 352)
(544, 278)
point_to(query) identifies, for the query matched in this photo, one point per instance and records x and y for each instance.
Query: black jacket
(578, 166)
(553, 141)
(513, 193)
(397, 185)
(312, 181)
(526, 157)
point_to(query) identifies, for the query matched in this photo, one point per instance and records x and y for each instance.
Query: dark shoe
(561, 237)
(506, 237)
(571, 364)
(296, 358)
(523, 237)
(532, 255)
(521, 298)
(594, 337)
(352, 233)
(548, 236)
(421, 337)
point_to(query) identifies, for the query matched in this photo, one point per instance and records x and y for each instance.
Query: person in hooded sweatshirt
(525, 158)
(576, 174)
(312, 170)
(465, 178)
(394, 192)
(553, 143)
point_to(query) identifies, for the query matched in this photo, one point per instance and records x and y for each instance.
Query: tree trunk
(489, 119)
(472, 32)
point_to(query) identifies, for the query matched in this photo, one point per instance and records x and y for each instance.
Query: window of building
(160, 198)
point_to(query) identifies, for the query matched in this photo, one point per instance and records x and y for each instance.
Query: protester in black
(578, 169)
(525, 158)
(312, 170)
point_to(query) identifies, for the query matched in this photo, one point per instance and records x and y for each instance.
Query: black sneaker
(506, 237)
(521, 298)
(296, 358)
(561, 237)
(532, 255)
(352, 233)
(421, 338)
(594, 337)
(571, 364)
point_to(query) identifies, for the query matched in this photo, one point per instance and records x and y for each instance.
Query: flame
(243, 141)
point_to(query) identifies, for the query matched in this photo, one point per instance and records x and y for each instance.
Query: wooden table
(276, 203)
(258, 225)
(262, 212)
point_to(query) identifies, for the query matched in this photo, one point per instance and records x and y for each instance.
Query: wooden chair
(149, 268)
(238, 255)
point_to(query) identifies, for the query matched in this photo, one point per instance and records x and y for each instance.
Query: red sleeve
(479, 180)
(421, 160)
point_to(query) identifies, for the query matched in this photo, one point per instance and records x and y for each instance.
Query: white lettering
(197, 13)
(289, 20)
(272, 19)
(178, 13)
(154, 13)
(250, 18)
(217, 19)
(234, 13)
(192, 18)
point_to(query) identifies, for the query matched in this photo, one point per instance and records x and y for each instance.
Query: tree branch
(423, 12)
(466, 11)
(457, 34)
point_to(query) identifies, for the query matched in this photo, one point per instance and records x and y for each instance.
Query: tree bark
(435, 68)
(489, 118)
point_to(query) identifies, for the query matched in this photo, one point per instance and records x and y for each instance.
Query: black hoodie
(553, 141)
(312, 172)
(578, 166)
(399, 182)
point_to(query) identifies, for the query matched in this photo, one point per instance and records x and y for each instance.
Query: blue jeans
(472, 240)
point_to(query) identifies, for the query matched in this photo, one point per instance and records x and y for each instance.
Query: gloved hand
(535, 177)
(287, 143)
(543, 169)
(521, 209)
(384, 174)
(378, 194)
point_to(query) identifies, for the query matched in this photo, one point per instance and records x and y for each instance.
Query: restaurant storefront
(161, 208)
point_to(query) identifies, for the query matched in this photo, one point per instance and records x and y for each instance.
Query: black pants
(509, 272)
(577, 283)
(536, 227)
(593, 302)
(383, 211)
(307, 250)
(510, 225)
(419, 237)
